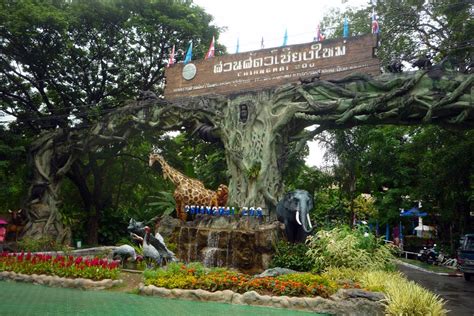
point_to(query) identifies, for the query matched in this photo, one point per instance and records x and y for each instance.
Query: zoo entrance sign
(267, 68)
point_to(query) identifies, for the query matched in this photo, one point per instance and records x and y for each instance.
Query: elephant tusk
(298, 217)
(309, 221)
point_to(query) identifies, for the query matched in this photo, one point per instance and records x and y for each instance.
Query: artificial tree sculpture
(259, 130)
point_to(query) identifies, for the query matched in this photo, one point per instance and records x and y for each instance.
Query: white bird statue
(125, 252)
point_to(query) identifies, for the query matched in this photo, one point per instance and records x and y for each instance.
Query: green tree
(66, 64)
(13, 169)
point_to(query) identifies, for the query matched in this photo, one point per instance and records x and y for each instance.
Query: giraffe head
(153, 158)
(222, 194)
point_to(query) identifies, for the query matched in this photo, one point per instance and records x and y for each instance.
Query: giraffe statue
(189, 191)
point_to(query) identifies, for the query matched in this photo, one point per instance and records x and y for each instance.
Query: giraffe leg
(180, 213)
(183, 216)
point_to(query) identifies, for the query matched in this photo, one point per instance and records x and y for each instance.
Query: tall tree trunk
(50, 164)
(92, 198)
(255, 136)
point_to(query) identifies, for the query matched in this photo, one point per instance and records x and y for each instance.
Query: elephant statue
(293, 211)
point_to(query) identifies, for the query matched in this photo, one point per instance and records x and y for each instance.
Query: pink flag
(319, 37)
(210, 52)
(171, 59)
(375, 24)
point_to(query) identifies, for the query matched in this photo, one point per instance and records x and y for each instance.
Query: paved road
(458, 293)
(25, 299)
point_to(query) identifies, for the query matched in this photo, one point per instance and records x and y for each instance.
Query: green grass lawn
(426, 266)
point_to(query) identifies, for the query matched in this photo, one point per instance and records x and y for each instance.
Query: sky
(250, 20)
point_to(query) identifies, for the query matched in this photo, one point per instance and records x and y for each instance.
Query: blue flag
(189, 54)
(346, 28)
(237, 47)
(285, 38)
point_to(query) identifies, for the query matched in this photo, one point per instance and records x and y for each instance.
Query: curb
(344, 302)
(56, 281)
(454, 274)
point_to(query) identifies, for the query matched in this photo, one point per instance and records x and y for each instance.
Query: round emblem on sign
(189, 71)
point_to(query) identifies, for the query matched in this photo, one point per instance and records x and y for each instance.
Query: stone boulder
(273, 272)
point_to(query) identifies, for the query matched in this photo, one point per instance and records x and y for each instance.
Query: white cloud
(250, 20)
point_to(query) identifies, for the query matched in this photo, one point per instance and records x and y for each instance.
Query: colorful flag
(237, 46)
(171, 59)
(375, 24)
(346, 28)
(319, 36)
(285, 38)
(210, 52)
(189, 53)
(262, 46)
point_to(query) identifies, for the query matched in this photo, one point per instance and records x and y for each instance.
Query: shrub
(400, 300)
(347, 248)
(324, 286)
(341, 274)
(403, 297)
(226, 280)
(28, 244)
(292, 256)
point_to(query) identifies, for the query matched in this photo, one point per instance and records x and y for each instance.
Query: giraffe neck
(171, 173)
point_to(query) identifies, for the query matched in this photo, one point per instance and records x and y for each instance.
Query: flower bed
(194, 276)
(62, 266)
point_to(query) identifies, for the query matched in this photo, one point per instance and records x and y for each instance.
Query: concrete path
(29, 299)
(458, 293)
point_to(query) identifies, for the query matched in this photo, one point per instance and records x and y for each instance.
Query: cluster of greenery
(291, 256)
(343, 247)
(399, 292)
(196, 276)
(399, 166)
(340, 247)
(41, 244)
(62, 266)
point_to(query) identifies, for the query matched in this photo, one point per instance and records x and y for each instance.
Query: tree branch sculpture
(258, 129)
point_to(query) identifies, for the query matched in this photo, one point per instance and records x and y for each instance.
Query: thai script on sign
(277, 76)
(281, 57)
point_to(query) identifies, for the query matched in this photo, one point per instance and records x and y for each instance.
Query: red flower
(78, 260)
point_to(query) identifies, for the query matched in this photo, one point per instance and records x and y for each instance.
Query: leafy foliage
(347, 248)
(291, 256)
(164, 203)
(44, 243)
(13, 171)
(398, 290)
